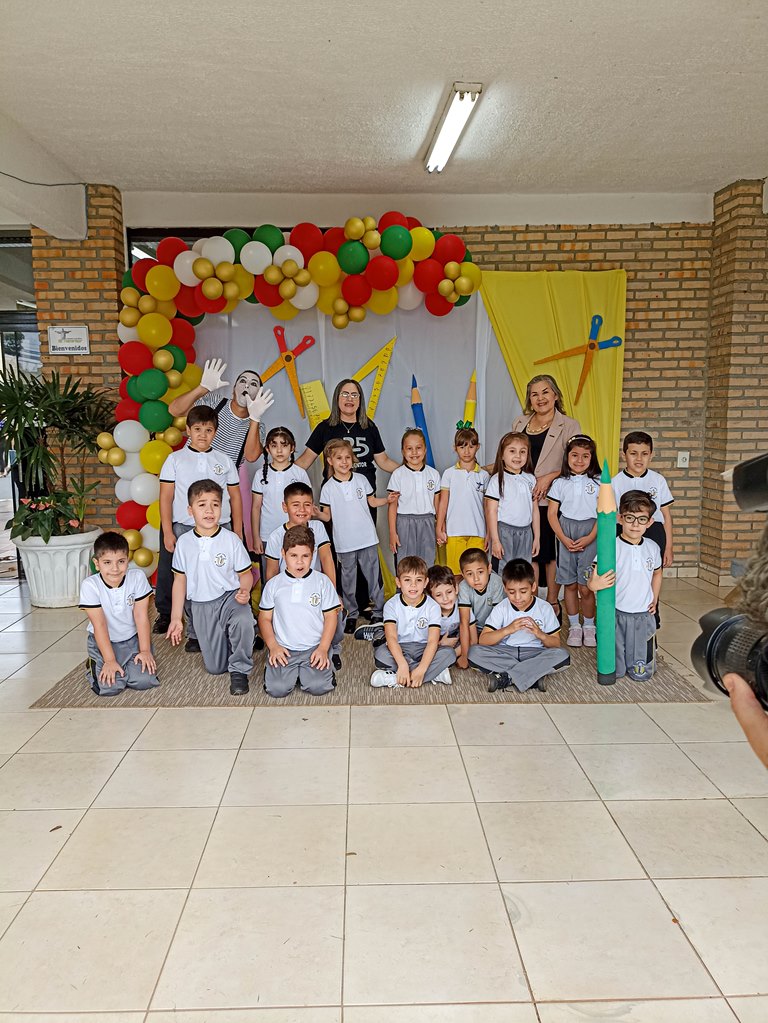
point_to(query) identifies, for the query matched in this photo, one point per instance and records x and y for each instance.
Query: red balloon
(428, 274)
(437, 305)
(191, 354)
(381, 273)
(308, 238)
(169, 248)
(449, 248)
(208, 305)
(124, 387)
(134, 357)
(267, 294)
(183, 335)
(140, 270)
(127, 409)
(333, 239)
(356, 289)
(153, 580)
(131, 515)
(393, 217)
(413, 222)
(186, 302)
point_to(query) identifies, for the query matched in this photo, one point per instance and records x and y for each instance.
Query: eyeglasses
(347, 395)
(641, 520)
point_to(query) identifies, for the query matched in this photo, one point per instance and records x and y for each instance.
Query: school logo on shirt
(649, 563)
(539, 622)
(653, 492)
(430, 484)
(218, 469)
(360, 494)
(590, 488)
(479, 485)
(130, 600)
(314, 599)
(220, 560)
(421, 623)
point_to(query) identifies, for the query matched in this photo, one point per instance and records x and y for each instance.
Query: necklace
(541, 429)
(348, 426)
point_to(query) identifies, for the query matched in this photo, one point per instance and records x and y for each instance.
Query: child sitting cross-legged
(442, 588)
(520, 643)
(480, 590)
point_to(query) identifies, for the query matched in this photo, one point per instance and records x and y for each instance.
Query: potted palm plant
(52, 423)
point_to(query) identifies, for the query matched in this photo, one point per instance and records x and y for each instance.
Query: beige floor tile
(293, 1015)
(16, 727)
(72, 1017)
(50, 781)
(133, 848)
(756, 812)
(10, 904)
(297, 728)
(602, 940)
(11, 663)
(8, 618)
(492, 725)
(290, 939)
(732, 766)
(509, 1013)
(195, 728)
(15, 604)
(281, 777)
(30, 840)
(70, 643)
(725, 920)
(96, 730)
(556, 842)
(682, 1010)
(522, 773)
(593, 723)
(401, 726)
(18, 694)
(680, 651)
(408, 774)
(647, 771)
(42, 619)
(696, 722)
(74, 968)
(417, 843)
(750, 1010)
(262, 846)
(430, 943)
(49, 666)
(30, 642)
(168, 778)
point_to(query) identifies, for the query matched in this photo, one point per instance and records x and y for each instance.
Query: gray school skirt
(417, 537)
(575, 566)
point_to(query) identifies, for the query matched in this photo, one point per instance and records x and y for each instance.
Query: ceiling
(581, 96)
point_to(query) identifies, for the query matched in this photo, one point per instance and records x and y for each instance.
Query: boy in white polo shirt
(212, 568)
(638, 453)
(411, 653)
(460, 512)
(638, 582)
(197, 460)
(116, 600)
(297, 618)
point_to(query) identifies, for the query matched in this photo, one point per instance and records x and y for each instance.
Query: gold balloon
(166, 309)
(452, 270)
(231, 290)
(287, 289)
(356, 313)
(142, 557)
(180, 422)
(147, 304)
(172, 436)
(369, 223)
(115, 456)
(160, 436)
(340, 321)
(464, 285)
(174, 380)
(225, 271)
(445, 287)
(162, 360)
(212, 288)
(453, 297)
(202, 269)
(290, 268)
(371, 239)
(105, 440)
(133, 537)
(303, 278)
(340, 306)
(130, 296)
(129, 316)
(354, 229)
(273, 274)
(102, 456)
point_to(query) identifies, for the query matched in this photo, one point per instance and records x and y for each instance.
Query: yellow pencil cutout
(470, 402)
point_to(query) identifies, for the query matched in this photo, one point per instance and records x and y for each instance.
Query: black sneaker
(192, 647)
(336, 663)
(371, 633)
(258, 643)
(376, 617)
(498, 680)
(349, 626)
(161, 626)
(238, 683)
(541, 685)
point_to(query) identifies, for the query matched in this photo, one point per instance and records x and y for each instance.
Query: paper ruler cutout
(316, 400)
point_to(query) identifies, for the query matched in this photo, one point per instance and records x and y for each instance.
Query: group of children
(462, 612)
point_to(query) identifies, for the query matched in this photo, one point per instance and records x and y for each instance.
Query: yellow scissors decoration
(588, 351)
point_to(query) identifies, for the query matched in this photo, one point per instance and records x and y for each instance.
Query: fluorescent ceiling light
(458, 110)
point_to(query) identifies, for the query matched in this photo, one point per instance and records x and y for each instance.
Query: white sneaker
(590, 635)
(381, 679)
(444, 677)
(575, 636)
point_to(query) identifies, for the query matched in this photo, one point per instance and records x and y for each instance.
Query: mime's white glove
(213, 375)
(258, 406)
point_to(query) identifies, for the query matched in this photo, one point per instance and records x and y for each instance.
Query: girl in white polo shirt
(416, 487)
(511, 512)
(276, 471)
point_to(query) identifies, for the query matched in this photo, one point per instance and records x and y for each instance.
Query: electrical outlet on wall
(683, 459)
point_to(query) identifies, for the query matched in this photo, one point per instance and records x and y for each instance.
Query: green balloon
(270, 235)
(179, 358)
(463, 300)
(132, 387)
(152, 384)
(353, 257)
(194, 320)
(252, 299)
(396, 242)
(238, 238)
(467, 259)
(154, 415)
(128, 280)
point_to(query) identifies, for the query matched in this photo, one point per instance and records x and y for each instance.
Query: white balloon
(409, 296)
(219, 250)
(126, 333)
(133, 436)
(288, 252)
(255, 257)
(145, 488)
(306, 297)
(150, 538)
(123, 490)
(198, 246)
(150, 570)
(131, 466)
(182, 267)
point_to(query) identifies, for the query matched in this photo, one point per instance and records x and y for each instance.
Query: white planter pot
(54, 570)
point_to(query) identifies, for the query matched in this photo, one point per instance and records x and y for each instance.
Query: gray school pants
(281, 680)
(444, 657)
(164, 588)
(517, 542)
(368, 560)
(417, 537)
(524, 665)
(635, 648)
(125, 651)
(225, 634)
(575, 566)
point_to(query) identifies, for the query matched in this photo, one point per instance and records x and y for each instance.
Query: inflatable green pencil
(606, 599)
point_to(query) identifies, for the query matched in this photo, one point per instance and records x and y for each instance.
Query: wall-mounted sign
(69, 339)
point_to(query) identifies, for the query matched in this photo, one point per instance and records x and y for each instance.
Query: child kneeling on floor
(520, 643)
(212, 567)
(298, 618)
(115, 600)
(411, 653)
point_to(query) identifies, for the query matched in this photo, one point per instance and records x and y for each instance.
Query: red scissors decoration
(588, 350)
(287, 360)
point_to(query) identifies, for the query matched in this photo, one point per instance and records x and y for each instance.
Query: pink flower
(74, 522)
(26, 500)
(33, 506)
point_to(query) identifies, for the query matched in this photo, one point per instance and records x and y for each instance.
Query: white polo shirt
(449, 624)
(576, 495)
(635, 565)
(187, 466)
(651, 483)
(516, 503)
(465, 516)
(211, 564)
(298, 607)
(117, 602)
(353, 527)
(274, 547)
(539, 610)
(417, 488)
(413, 620)
(272, 514)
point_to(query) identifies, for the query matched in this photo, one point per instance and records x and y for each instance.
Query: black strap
(239, 459)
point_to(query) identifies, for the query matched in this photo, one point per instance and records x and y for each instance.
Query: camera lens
(731, 642)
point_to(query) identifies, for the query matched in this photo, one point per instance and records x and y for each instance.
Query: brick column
(736, 418)
(79, 282)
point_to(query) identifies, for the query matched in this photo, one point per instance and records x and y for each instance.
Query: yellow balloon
(230, 306)
(244, 280)
(162, 283)
(147, 304)
(423, 243)
(382, 302)
(175, 392)
(173, 377)
(115, 456)
(474, 273)
(324, 268)
(105, 440)
(133, 536)
(153, 454)
(340, 306)
(354, 229)
(369, 223)
(202, 268)
(172, 436)
(142, 558)
(302, 278)
(225, 271)
(180, 422)
(356, 313)
(212, 288)
(231, 291)
(287, 289)
(327, 297)
(129, 316)
(153, 516)
(130, 296)
(192, 375)
(445, 287)
(284, 311)
(340, 321)
(463, 285)
(405, 269)
(452, 270)
(163, 360)
(167, 309)
(290, 268)
(154, 330)
(273, 274)
(102, 456)
(371, 239)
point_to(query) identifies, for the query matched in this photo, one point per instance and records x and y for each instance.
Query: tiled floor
(376, 864)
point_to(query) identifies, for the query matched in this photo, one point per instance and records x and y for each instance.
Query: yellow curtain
(539, 314)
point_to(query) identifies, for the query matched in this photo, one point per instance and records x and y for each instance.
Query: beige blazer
(560, 432)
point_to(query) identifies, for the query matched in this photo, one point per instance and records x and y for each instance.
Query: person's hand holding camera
(750, 715)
